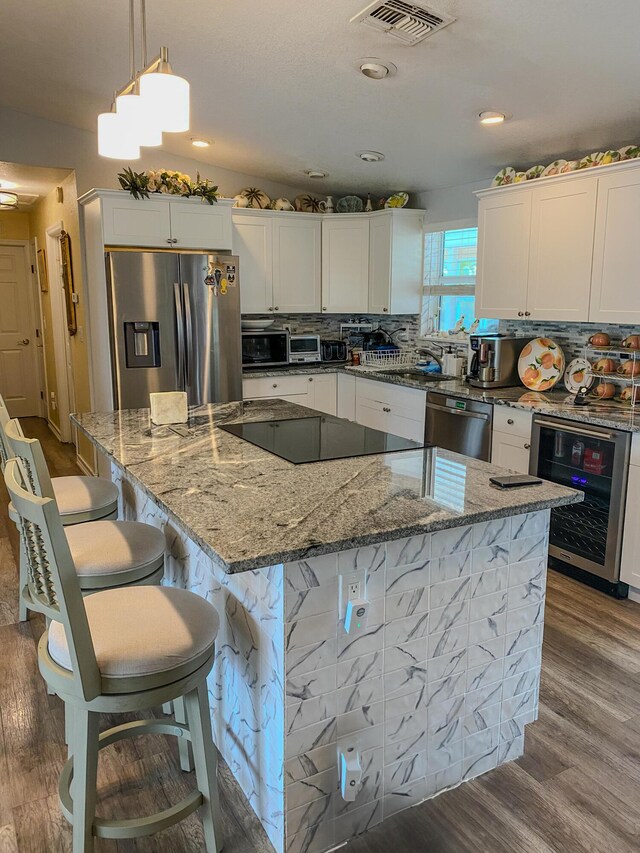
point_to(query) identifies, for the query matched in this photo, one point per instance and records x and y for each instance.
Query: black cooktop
(319, 438)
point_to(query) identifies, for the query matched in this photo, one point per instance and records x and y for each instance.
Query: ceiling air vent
(408, 22)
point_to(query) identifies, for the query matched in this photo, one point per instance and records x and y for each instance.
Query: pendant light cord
(132, 52)
(143, 32)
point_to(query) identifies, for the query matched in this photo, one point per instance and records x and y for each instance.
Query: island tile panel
(435, 690)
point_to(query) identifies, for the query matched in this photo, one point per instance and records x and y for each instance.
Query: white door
(510, 452)
(200, 226)
(296, 264)
(504, 225)
(18, 367)
(615, 295)
(324, 393)
(345, 264)
(561, 253)
(252, 242)
(129, 222)
(380, 247)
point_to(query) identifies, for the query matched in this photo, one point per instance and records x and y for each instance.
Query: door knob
(24, 342)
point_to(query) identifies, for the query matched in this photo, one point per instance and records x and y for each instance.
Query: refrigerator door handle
(189, 353)
(179, 333)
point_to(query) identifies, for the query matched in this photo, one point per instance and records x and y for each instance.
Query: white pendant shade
(140, 117)
(116, 139)
(169, 95)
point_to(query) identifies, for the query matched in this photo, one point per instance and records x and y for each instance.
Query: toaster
(333, 350)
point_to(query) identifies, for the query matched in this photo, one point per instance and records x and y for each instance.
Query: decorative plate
(350, 204)
(307, 204)
(554, 168)
(505, 176)
(256, 198)
(569, 166)
(577, 374)
(256, 325)
(520, 177)
(397, 200)
(541, 364)
(629, 152)
(591, 160)
(534, 172)
(610, 157)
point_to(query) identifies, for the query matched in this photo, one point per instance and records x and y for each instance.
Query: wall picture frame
(41, 266)
(67, 282)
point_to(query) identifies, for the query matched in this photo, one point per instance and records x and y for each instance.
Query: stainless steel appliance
(334, 350)
(494, 360)
(304, 349)
(459, 424)
(269, 348)
(585, 536)
(174, 323)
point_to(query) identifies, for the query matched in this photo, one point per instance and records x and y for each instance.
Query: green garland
(142, 184)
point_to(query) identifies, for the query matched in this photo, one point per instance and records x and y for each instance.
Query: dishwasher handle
(460, 412)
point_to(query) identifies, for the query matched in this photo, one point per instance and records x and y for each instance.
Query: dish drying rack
(385, 358)
(620, 354)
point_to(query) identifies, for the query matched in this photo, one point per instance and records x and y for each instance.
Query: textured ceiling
(274, 83)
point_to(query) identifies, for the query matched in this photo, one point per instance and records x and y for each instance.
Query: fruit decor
(142, 184)
(541, 364)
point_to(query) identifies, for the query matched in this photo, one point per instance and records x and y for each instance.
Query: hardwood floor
(576, 789)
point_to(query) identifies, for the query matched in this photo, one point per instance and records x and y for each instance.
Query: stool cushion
(142, 630)
(108, 547)
(81, 494)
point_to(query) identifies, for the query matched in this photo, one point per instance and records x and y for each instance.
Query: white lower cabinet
(630, 563)
(318, 391)
(390, 408)
(346, 396)
(511, 440)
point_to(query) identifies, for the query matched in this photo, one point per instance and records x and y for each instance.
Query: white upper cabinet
(296, 264)
(159, 222)
(562, 222)
(395, 262)
(615, 295)
(504, 226)
(253, 243)
(200, 226)
(345, 264)
(129, 222)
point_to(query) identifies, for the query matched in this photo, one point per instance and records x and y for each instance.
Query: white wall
(452, 204)
(38, 142)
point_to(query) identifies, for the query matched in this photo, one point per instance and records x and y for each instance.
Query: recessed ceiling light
(200, 143)
(491, 117)
(7, 185)
(370, 156)
(377, 69)
(316, 173)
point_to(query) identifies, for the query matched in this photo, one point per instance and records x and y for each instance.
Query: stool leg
(23, 613)
(83, 785)
(184, 747)
(68, 729)
(206, 761)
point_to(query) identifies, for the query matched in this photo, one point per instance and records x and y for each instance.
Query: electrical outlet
(354, 590)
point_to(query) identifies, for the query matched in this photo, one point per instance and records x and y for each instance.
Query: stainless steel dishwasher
(459, 424)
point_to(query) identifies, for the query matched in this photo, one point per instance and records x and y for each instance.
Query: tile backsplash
(572, 337)
(328, 325)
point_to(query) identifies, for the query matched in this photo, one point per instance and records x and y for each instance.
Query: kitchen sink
(417, 375)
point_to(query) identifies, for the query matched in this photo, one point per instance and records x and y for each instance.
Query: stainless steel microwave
(265, 349)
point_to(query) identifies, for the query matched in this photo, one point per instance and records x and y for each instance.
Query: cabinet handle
(527, 446)
(270, 308)
(527, 313)
(386, 409)
(310, 379)
(510, 421)
(324, 307)
(169, 240)
(385, 310)
(275, 385)
(276, 308)
(520, 313)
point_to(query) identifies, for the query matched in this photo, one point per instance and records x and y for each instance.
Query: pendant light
(154, 100)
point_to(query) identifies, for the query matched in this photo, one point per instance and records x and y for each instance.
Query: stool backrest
(29, 450)
(5, 450)
(52, 579)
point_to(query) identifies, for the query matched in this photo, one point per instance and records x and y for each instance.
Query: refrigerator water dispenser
(142, 344)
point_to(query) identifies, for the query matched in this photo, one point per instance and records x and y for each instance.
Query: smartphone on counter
(512, 481)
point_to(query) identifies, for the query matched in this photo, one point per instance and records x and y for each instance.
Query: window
(450, 281)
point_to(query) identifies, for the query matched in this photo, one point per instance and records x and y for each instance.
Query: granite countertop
(556, 403)
(248, 508)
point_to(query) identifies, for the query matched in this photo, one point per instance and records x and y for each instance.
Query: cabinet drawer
(274, 386)
(387, 419)
(410, 400)
(512, 421)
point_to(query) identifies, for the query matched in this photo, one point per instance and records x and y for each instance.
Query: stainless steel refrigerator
(174, 321)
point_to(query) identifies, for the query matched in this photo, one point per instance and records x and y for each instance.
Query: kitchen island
(438, 685)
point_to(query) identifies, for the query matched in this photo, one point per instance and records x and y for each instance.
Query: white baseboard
(84, 466)
(54, 429)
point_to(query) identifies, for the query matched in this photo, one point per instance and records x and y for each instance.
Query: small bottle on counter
(355, 356)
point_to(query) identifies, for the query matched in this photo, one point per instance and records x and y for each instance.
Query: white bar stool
(79, 498)
(99, 656)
